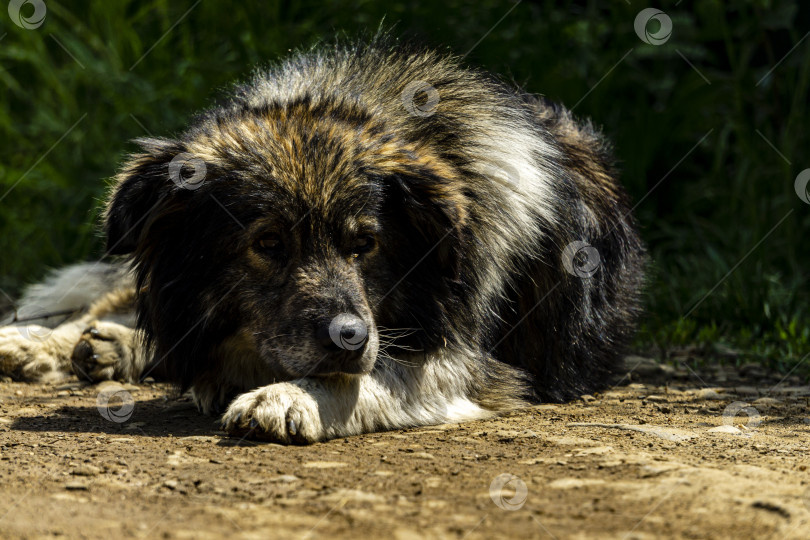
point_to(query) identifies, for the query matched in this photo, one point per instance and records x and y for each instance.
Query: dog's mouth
(356, 356)
(353, 355)
(330, 366)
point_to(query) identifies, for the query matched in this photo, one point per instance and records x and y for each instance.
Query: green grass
(126, 71)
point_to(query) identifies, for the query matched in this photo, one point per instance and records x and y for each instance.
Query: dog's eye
(363, 244)
(269, 242)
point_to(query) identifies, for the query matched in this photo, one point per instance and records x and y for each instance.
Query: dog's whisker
(394, 329)
(393, 337)
(397, 343)
(400, 347)
(259, 333)
(399, 361)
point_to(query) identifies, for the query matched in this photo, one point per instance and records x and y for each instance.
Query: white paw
(281, 412)
(25, 354)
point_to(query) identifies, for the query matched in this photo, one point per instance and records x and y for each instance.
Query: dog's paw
(105, 352)
(281, 412)
(25, 354)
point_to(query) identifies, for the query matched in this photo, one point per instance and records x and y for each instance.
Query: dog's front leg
(392, 396)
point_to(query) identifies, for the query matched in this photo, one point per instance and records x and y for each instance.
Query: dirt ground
(666, 453)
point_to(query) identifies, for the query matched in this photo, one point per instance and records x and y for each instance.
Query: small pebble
(725, 429)
(285, 479)
(707, 393)
(85, 470)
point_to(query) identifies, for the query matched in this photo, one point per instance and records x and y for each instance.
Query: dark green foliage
(706, 215)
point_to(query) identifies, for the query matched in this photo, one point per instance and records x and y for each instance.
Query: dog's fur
(441, 212)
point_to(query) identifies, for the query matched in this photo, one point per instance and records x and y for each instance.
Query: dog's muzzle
(342, 342)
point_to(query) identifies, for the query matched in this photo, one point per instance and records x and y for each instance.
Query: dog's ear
(437, 208)
(139, 189)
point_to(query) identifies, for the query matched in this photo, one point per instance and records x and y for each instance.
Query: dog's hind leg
(97, 345)
(109, 347)
(35, 353)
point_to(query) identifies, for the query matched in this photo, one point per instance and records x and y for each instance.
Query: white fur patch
(389, 398)
(72, 288)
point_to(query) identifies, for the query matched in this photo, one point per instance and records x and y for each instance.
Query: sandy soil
(660, 455)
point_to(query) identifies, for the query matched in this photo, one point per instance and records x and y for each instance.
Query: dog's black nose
(345, 332)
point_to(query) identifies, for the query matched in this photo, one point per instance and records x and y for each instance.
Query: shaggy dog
(366, 237)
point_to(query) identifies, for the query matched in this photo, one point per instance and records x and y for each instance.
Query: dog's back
(569, 327)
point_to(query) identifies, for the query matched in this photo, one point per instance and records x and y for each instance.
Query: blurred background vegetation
(711, 129)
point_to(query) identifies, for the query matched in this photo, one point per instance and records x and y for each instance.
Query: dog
(367, 236)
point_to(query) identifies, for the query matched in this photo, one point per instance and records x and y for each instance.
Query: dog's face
(302, 229)
(311, 282)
